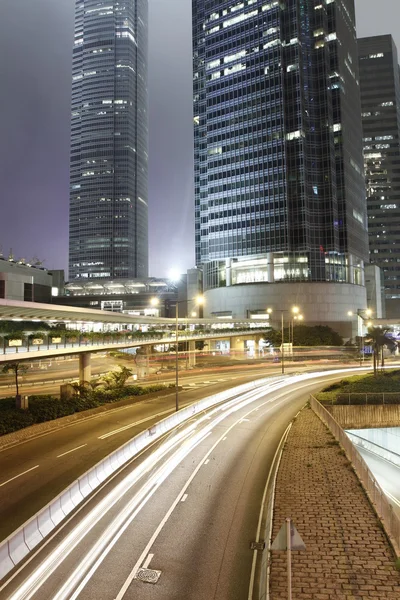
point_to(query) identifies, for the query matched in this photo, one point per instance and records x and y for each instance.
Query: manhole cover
(257, 545)
(148, 575)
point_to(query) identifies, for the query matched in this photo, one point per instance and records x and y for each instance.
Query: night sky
(35, 69)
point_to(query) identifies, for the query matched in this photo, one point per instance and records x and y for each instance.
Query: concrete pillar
(270, 267)
(143, 362)
(351, 268)
(237, 348)
(85, 367)
(192, 354)
(228, 271)
(362, 273)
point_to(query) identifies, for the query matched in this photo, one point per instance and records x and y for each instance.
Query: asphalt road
(191, 515)
(41, 374)
(34, 472)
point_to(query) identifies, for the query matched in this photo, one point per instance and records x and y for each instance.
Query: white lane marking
(107, 545)
(147, 561)
(73, 450)
(121, 429)
(225, 438)
(161, 525)
(184, 497)
(66, 547)
(16, 476)
(207, 461)
(262, 509)
(245, 420)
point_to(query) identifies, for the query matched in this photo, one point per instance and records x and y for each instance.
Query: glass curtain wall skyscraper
(279, 182)
(109, 141)
(380, 100)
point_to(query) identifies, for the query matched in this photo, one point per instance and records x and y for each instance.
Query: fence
(357, 398)
(388, 517)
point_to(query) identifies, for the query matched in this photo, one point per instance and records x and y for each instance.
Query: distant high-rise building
(109, 141)
(279, 182)
(380, 101)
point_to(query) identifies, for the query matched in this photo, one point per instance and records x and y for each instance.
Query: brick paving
(348, 556)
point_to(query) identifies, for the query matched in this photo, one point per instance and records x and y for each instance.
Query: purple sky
(35, 69)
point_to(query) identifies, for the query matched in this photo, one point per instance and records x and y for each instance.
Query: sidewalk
(348, 556)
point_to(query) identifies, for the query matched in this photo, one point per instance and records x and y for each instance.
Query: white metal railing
(386, 514)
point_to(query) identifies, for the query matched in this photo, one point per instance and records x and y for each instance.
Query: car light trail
(31, 586)
(182, 441)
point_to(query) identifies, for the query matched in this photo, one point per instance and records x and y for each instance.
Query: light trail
(31, 586)
(185, 440)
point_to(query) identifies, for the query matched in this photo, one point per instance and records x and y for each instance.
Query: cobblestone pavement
(347, 554)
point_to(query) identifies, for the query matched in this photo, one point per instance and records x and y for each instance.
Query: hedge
(48, 408)
(359, 385)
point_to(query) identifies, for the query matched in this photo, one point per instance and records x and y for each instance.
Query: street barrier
(18, 545)
(384, 510)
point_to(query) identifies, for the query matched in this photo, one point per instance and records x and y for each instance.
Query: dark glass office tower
(279, 183)
(109, 132)
(380, 100)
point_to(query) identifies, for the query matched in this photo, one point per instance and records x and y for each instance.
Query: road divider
(17, 546)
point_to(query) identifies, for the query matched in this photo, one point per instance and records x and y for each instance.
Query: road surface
(189, 509)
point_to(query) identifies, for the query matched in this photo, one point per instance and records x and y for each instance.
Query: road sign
(288, 539)
(280, 542)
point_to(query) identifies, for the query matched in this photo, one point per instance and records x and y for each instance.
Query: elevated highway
(200, 330)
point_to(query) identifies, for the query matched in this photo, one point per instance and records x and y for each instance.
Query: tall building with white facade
(109, 141)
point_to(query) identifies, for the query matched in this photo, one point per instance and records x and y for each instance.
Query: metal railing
(368, 398)
(83, 342)
(385, 512)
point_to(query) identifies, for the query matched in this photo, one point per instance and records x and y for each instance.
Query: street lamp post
(294, 310)
(199, 300)
(360, 315)
(283, 345)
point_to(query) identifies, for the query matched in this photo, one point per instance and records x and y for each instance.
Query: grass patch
(388, 382)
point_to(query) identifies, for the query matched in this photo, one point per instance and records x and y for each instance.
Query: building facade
(380, 100)
(147, 297)
(109, 141)
(279, 183)
(25, 282)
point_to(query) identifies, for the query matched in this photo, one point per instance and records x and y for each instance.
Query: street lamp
(360, 321)
(199, 300)
(294, 310)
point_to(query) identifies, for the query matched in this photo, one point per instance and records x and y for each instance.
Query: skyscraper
(279, 184)
(109, 139)
(380, 101)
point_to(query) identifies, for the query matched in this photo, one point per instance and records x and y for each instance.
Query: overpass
(82, 318)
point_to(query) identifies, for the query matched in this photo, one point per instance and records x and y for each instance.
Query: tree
(304, 335)
(379, 337)
(116, 379)
(17, 368)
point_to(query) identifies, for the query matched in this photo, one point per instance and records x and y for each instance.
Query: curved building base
(319, 303)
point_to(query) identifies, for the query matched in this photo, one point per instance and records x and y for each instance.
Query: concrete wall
(15, 276)
(319, 303)
(365, 417)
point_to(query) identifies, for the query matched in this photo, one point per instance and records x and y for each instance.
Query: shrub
(47, 408)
